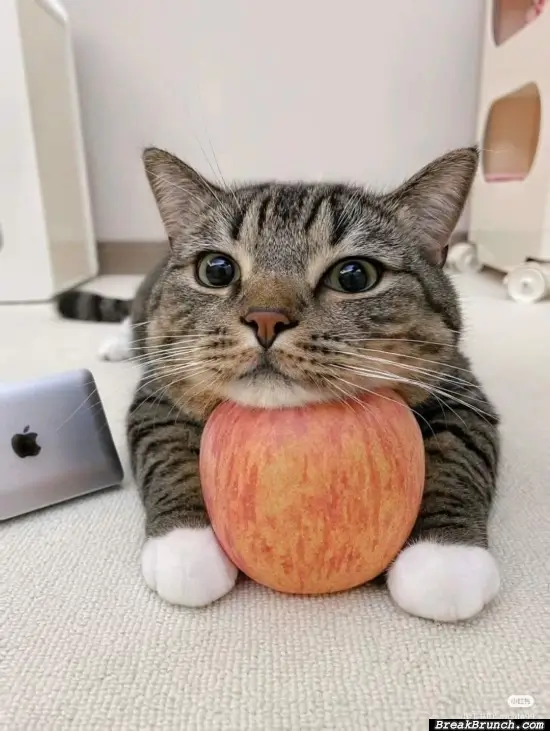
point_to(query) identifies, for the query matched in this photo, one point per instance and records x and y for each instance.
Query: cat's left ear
(430, 203)
(181, 193)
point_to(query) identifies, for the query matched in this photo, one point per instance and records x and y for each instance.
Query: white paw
(118, 347)
(446, 582)
(114, 349)
(187, 566)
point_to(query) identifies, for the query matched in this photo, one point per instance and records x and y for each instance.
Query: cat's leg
(446, 572)
(181, 559)
(119, 346)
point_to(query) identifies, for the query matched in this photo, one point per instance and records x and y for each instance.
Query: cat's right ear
(430, 203)
(181, 193)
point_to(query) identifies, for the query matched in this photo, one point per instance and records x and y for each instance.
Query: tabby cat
(280, 294)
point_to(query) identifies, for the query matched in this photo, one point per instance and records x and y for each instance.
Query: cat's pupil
(220, 271)
(353, 277)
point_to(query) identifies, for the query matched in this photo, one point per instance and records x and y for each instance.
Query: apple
(316, 499)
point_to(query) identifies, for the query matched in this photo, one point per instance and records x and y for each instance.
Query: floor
(84, 644)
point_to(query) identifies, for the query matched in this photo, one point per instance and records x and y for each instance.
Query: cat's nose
(267, 324)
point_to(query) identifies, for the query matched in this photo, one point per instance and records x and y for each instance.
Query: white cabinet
(47, 241)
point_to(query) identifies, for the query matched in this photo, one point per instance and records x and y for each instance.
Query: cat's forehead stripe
(322, 211)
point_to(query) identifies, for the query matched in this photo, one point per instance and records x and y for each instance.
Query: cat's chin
(276, 394)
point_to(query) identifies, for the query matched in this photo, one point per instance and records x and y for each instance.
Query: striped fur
(164, 449)
(405, 332)
(92, 307)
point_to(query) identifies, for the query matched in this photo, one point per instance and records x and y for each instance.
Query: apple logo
(25, 445)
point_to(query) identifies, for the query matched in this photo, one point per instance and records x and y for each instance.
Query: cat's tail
(92, 307)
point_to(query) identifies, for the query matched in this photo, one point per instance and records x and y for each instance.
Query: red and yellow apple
(315, 499)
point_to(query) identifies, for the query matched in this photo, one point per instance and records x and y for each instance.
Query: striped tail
(77, 305)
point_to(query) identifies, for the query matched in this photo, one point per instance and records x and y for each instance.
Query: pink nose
(267, 324)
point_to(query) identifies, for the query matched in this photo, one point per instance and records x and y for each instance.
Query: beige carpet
(84, 644)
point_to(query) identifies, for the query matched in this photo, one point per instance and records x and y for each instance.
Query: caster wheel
(527, 284)
(463, 258)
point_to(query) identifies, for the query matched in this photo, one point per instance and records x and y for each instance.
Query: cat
(280, 294)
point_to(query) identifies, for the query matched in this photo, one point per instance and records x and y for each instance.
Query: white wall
(361, 89)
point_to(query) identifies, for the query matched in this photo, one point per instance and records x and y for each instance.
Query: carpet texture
(85, 645)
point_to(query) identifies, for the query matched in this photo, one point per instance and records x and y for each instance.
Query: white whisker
(438, 375)
(430, 389)
(377, 393)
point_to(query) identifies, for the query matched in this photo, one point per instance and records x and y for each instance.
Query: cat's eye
(352, 276)
(217, 270)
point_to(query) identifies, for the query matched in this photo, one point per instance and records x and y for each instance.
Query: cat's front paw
(187, 566)
(119, 346)
(114, 349)
(445, 582)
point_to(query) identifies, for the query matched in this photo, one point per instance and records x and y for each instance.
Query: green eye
(217, 270)
(352, 276)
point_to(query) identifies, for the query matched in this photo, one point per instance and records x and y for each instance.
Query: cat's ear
(430, 203)
(181, 193)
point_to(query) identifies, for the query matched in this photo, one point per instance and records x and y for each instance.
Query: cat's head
(280, 294)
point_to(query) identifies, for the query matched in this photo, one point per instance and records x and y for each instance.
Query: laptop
(55, 443)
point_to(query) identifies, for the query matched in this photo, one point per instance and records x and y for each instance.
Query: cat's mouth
(264, 367)
(265, 385)
(271, 391)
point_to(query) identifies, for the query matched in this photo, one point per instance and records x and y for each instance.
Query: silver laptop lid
(55, 442)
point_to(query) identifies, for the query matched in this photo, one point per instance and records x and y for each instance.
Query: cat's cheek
(187, 566)
(443, 582)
